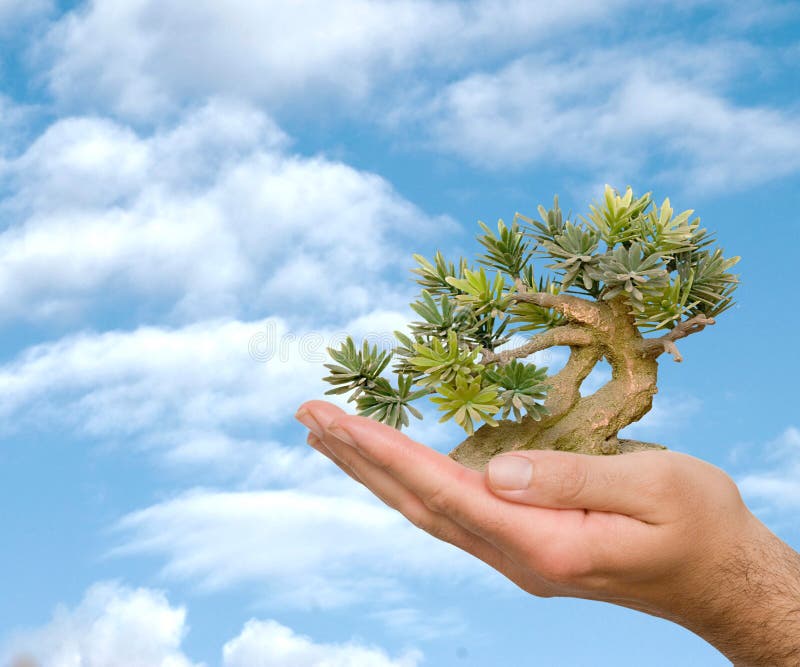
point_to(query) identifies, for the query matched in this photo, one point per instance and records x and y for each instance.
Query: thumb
(625, 483)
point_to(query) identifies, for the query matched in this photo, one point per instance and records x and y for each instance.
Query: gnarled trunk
(587, 424)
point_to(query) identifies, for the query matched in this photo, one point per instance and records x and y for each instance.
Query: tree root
(630, 446)
(489, 441)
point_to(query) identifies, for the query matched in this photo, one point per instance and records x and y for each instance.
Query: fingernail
(338, 432)
(305, 418)
(510, 472)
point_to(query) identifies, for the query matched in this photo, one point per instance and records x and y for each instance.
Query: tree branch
(573, 308)
(565, 386)
(666, 343)
(567, 334)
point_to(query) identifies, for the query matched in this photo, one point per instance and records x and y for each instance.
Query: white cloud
(117, 626)
(143, 57)
(208, 397)
(776, 486)
(422, 624)
(118, 383)
(14, 119)
(113, 626)
(210, 216)
(301, 549)
(188, 392)
(616, 112)
(13, 13)
(270, 644)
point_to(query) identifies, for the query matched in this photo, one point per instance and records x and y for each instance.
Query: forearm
(751, 610)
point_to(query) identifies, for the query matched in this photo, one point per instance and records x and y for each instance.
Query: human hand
(658, 531)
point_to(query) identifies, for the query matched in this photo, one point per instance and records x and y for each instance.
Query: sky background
(197, 197)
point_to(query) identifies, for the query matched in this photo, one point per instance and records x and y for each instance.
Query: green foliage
(713, 286)
(487, 300)
(357, 370)
(507, 251)
(616, 221)
(550, 226)
(444, 362)
(664, 305)
(575, 249)
(529, 316)
(660, 263)
(433, 275)
(522, 388)
(404, 351)
(438, 318)
(660, 232)
(390, 405)
(480, 293)
(466, 402)
(628, 270)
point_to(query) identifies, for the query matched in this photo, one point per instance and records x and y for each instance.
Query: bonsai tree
(626, 269)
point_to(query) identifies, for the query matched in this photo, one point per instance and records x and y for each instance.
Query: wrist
(749, 607)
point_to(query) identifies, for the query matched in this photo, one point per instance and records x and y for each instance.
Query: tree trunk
(588, 424)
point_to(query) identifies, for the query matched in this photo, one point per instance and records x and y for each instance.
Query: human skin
(657, 531)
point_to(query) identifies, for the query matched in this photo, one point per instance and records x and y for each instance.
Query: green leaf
(391, 405)
(713, 286)
(550, 225)
(616, 220)
(487, 300)
(433, 276)
(665, 305)
(508, 250)
(440, 317)
(660, 232)
(481, 293)
(357, 369)
(444, 362)
(530, 317)
(575, 252)
(521, 389)
(467, 402)
(627, 270)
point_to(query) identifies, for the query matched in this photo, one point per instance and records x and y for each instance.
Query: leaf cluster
(358, 371)
(660, 263)
(464, 389)
(522, 387)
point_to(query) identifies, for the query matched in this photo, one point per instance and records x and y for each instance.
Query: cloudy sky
(197, 197)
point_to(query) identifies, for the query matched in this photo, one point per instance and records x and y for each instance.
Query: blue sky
(197, 197)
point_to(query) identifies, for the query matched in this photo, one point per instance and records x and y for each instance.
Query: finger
(382, 485)
(448, 488)
(321, 447)
(395, 495)
(558, 545)
(305, 417)
(320, 415)
(630, 484)
(308, 414)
